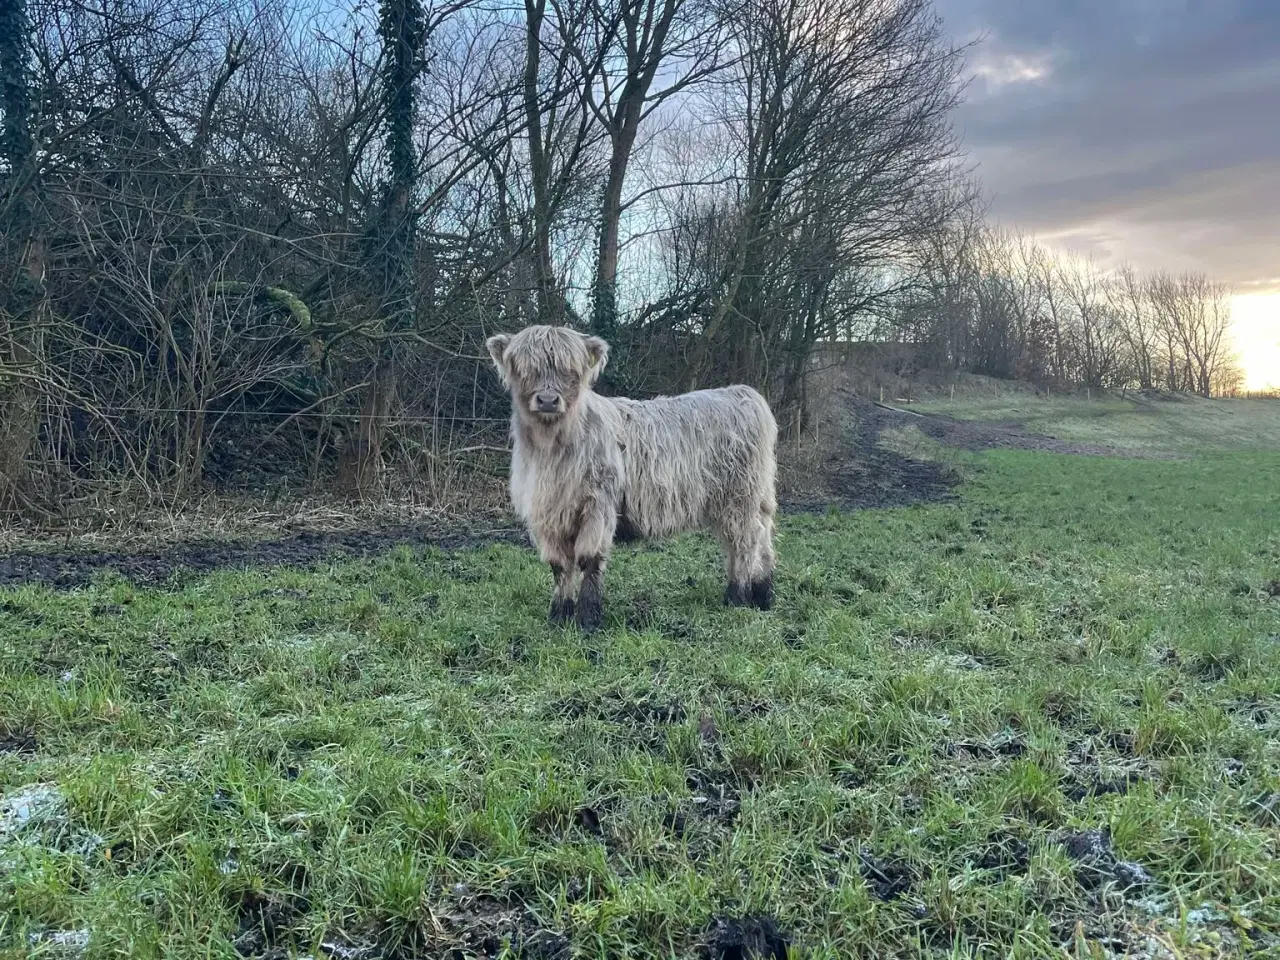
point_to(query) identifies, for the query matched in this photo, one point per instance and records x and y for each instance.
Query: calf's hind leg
(749, 546)
(761, 590)
(739, 544)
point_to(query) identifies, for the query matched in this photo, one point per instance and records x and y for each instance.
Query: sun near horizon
(1256, 321)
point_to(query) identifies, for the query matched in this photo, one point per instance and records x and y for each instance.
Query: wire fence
(402, 419)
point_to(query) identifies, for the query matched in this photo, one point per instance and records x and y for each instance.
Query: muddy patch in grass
(483, 927)
(1003, 745)
(745, 939)
(18, 740)
(632, 718)
(715, 799)
(1253, 710)
(1089, 775)
(265, 921)
(1004, 854)
(1096, 862)
(888, 878)
(644, 613)
(1083, 784)
(73, 569)
(716, 796)
(643, 718)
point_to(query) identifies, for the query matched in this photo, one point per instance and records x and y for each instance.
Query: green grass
(1186, 425)
(401, 752)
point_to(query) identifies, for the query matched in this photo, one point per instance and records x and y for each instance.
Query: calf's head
(547, 369)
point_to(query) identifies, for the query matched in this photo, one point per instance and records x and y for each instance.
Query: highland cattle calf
(587, 468)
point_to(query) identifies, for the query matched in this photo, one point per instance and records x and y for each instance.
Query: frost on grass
(59, 943)
(37, 816)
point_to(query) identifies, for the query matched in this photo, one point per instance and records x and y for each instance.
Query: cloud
(1137, 129)
(1003, 69)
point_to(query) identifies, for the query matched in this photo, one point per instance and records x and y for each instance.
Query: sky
(1145, 131)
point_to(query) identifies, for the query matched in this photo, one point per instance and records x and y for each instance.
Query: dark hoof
(561, 611)
(589, 618)
(736, 595)
(762, 594)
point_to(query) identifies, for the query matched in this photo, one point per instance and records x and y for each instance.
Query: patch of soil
(1096, 784)
(858, 473)
(18, 740)
(716, 799)
(1253, 710)
(1000, 746)
(485, 927)
(263, 919)
(750, 937)
(1122, 742)
(887, 878)
(644, 718)
(741, 705)
(74, 569)
(1096, 861)
(1003, 854)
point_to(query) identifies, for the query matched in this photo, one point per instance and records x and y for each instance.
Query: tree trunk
(390, 263)
(539, 166)
(360, 466)
(604, 296)
(604, 303)
(23, 301)
(21, 349)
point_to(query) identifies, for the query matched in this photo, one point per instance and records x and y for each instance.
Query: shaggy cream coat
(585, 468)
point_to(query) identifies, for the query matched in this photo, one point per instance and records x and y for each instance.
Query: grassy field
(1041, 720)
(1181, 425)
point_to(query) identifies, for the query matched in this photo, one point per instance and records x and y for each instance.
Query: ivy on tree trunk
(390, 240)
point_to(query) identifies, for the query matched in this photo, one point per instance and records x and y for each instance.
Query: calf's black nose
(547, 402)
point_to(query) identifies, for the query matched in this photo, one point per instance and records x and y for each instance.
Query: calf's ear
(497, 346)
(598, 351)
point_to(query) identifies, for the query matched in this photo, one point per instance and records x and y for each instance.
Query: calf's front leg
(590, 613)
(591, 550)
(562, 604)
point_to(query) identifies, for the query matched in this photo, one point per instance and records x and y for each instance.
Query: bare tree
(1138, 326)
(625, 45)
(839, 109)
(560, 134)
(1095, 336)
(1195, 319)
(938, 308)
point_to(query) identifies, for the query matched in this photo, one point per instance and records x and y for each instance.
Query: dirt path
(858, 473)
(72, 569)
